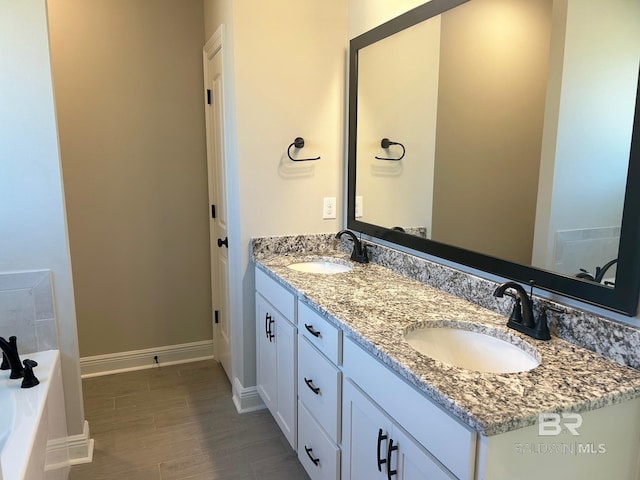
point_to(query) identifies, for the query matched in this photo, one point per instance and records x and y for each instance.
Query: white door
(214, 116)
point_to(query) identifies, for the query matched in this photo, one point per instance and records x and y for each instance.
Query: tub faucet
(600, 271)
(522, 318)
(10, 350)
(359, 253)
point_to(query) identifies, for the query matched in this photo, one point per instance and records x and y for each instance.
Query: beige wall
(491, 72)
(367, 14)
(285, 77)
(33, 232)
(128, 85)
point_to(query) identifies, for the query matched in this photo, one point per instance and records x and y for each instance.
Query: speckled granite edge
(605, 337)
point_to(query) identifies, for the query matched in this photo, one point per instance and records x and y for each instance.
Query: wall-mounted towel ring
(385, 143)
(299, 143)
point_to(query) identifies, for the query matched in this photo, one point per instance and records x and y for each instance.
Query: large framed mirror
(503, 135)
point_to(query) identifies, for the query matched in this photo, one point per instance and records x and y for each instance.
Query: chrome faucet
(359, 253)
(522, 318)
(10, 350)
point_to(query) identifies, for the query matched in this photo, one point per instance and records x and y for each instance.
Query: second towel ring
(385, 143)
(299, 143)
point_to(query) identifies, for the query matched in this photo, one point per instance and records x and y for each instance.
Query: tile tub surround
(27, 310)
(375, 306)
(611, 339)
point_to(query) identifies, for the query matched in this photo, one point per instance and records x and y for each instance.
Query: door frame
(241, 329)
(213, 47)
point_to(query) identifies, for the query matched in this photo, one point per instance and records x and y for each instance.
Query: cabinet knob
(224, 242)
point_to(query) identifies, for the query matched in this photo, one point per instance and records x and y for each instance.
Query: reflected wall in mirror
(517, 118)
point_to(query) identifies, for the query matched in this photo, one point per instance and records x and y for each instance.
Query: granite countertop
(375, 306)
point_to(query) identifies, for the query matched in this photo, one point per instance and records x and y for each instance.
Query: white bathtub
(33, 430)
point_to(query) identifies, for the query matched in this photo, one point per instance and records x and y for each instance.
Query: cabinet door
(266, 354)
(413, 461)
(285, 337)
(365, 437)
(375, 447)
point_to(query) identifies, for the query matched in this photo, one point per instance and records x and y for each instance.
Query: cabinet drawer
(421, 418)
(319, 456)
(281, 298)
(319, 387)
(324, 336)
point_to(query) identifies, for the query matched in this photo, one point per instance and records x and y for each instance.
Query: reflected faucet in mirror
(598, 277)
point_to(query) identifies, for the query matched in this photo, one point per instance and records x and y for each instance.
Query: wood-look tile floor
(177, 423)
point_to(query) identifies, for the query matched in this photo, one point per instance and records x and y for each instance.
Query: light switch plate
(358, 207)
(329, 207)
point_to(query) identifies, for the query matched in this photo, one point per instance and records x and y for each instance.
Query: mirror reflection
(513, 121)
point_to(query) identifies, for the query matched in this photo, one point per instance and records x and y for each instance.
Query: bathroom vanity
(356, 401)
(487, 155)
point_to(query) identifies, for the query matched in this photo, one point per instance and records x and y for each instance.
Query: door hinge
(208, 96)
(213, 211)
(216, 318)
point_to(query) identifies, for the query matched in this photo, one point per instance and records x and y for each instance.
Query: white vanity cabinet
(351, 416)
(276, 353)
(427, 441)
(375, 447)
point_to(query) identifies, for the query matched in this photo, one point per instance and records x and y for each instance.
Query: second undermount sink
(320, 266)
(473, 350)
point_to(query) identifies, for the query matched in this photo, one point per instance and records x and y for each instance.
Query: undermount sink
(472, 350)
(320, 266)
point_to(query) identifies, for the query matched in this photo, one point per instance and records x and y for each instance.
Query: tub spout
(10, 350)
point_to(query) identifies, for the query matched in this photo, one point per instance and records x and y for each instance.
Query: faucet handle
(29, 379)
(516, 312)
(542, 324)
(365, 253)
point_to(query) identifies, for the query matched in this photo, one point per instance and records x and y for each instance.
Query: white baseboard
(142, 359)
(246, 399)
(80, 447)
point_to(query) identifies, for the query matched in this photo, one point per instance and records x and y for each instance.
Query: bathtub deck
(179, 422)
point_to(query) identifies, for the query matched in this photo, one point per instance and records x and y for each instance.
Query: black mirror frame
(623, 298)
